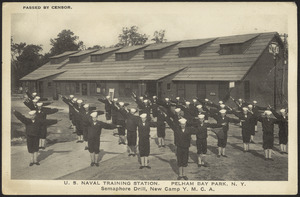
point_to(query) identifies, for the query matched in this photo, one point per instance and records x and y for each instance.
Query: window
(77, 87)
(230, 49)
(49, 84)
(152, 54)
(188, 52)
(122, 56)
(168, 86)
(247, 89)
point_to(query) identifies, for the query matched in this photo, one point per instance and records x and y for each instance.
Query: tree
(24, 59)
(96, 47)
(131, 36)
(158, 36)
(65, 41)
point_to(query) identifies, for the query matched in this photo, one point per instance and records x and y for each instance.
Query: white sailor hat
(187, 102)
(199, 106)
(115, 99)
(132, 110)
(222, 106)
(222, 111)
(146, 100)
(177, 98)
(245, 108)
(121, 104)
(206, 99)
(79, 101)
(74, 99)
(154, 96)
(182, 120)
(282, 110)
(194, 100)
(250, 106)
(141, 97)
(144, 115)
(86, 106)
(268, 112)
(34, 93)
(167, 99)
(39, 104)
(240, 99)
(32, 112)
(107, 97)
(94, 114)
(37, 98)
(201, 116)
(220, 102)
(177, 110)
(71, 96)
(254, 102)
(34, 100)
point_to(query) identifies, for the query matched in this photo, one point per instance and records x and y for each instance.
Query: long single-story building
(215, 68)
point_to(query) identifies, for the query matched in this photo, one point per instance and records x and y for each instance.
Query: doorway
(40, 89)
(151, 88)
(84, 89)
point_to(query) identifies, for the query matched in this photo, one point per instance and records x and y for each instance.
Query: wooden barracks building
(215, 68)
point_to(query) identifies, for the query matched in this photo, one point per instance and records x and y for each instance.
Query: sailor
(183, 143)
(246, 119)
(120, 121)
(253, 122)
(85, 116)
(33, 129)
(41, 113)
(144, 125)
(107, 103)
(283, 128)
(131, 126)
(200, 111)
(268, 133)
(146, 107)
(161, 128)
(154, 106)
(202, 126)
(78, 117)
(94, 131)
(222, 120)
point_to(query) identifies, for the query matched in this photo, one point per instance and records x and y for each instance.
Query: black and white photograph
(149, 98)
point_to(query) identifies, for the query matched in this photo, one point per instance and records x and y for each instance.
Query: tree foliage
(24, 59)
(96, 47)
(131, 37)
(66, 41)
(159, 36)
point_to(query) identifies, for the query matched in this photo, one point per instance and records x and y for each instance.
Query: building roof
(131, 48)
(66, 53)
(106, 50)
(160, 46)
(237, 39)
(209, 65)
(80, 53)
(194, 43)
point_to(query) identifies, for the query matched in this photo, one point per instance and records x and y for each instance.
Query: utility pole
(274, 49)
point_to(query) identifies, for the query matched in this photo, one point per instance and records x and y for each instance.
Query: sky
(101, 23)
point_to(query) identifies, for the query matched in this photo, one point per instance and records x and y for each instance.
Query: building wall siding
(261, 79)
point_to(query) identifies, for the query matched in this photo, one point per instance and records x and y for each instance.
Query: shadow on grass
(172, 163)
(253, 152)
(44, 154)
